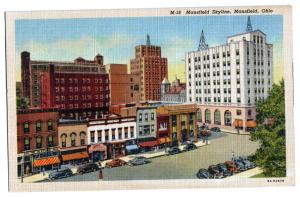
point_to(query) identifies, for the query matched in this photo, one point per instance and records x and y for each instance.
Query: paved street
(181, 166)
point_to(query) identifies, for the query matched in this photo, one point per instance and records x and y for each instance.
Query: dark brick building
(37, 129)
(70, 86)
(75, 94)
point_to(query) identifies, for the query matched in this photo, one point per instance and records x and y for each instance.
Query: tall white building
(238, 72)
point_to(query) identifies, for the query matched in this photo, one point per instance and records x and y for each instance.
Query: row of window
(128, 133)
(73, 138)
(38, 142)
(146, 117)
(82, 105)
(38, 126)
(82, 89)
(76, 81)
(83, 97)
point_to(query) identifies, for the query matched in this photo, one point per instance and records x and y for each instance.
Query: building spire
(148, 40)
(249, 26)
(202, 43)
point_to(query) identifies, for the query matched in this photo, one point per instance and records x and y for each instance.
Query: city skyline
(115, 38)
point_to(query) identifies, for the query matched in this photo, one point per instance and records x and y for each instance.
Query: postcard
(150, 98)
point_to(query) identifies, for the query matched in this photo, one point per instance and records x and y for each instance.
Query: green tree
(22, 103)
(271, 156)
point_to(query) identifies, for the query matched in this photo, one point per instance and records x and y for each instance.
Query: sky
(115, 38)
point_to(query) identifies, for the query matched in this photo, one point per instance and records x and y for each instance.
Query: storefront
(98, 152)
(149, 144)
(251, 124)
(116, 149)
(74, 156)
(45, 164)
(131, 149)
(164, 142)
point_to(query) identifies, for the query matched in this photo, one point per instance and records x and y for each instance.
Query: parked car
(115, 163)
(224, 170)
(240, 165)
(138, 161)
(214, 171)
(232, 167)
(248, 164)
(173, 151)
(215, 129)
(60, 174)
(203, 174)
(190, 146)
(90, 167)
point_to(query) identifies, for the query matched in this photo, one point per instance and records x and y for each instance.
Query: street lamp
(232, 155)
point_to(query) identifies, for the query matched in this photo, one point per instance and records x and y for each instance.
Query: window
(238, 112)
(113, 134)
(73, 139)
(26, 127)
(146, 117)
(82, 138)
(38, 143)
(50, 125)
(217, 117)
(63, 140)
(50, 141)
(132, 132)
(152, 116)
(207, 116)
(26, 144)
(92, 136)
(227, 118)
(249, 112)
(140, 117)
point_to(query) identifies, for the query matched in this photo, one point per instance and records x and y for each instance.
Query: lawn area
(260, 175)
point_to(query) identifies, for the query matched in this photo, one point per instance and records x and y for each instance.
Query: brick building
(151, 68)
(37, 138)
(124, 87)
(33, 71)
(75, 94)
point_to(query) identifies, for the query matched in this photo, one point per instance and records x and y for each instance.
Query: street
(180, 166)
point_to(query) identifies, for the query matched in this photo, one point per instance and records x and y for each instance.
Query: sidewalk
(247, 174)
(235, 132)
(152, 154)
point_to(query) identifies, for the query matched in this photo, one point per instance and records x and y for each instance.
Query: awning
(163, 140)
(97, 147)
(46, 161)
(74, 156)
(131, 147)
(149, 143)
(238, 123)
(251, 124)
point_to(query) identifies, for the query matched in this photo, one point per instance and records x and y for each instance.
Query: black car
(174, 150)
(214, 171)
(203, 174)
(60, 174)
(224, 170)
(189, 147)
(215, 129)
(90, 167)
(138, 161)
(240, 165)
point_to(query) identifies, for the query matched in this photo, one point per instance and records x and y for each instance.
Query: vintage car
(115, 163)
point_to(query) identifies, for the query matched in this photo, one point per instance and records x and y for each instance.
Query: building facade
(239, 72)
(151, 69)
(33, 71)
(113, 133)
(146, 122)
(72, 141)
(77, 95)
(37, 140)
(124, 87)
(236, 74)
(182, 121)
(175, 92)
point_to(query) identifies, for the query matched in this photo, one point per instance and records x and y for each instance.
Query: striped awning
(46, 161)
(74, 156)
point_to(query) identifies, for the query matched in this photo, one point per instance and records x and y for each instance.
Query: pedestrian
(100, 175)
(43, 171)
(27, 170)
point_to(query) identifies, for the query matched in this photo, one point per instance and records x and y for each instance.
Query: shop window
(227, 118)
(207, 116)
